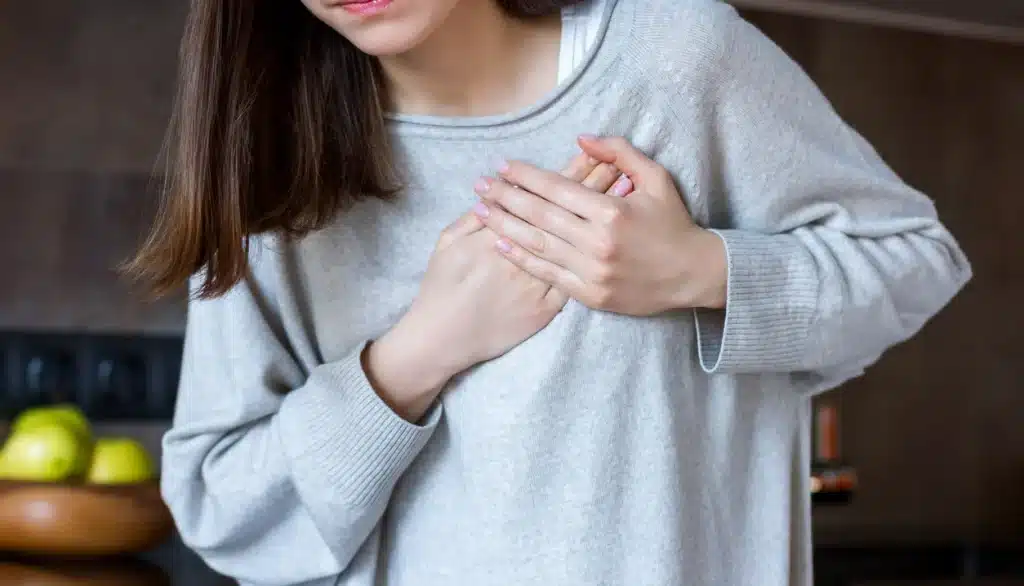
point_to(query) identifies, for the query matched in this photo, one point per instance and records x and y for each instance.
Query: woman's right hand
(473, 305)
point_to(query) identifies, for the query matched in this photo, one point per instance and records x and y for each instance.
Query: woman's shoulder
(686, 42)
(676, 36)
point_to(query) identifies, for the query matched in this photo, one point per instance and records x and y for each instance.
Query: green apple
(117, 460)
(66, 414)
(44, 453)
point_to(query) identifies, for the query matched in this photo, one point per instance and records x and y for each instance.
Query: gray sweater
(606, 449)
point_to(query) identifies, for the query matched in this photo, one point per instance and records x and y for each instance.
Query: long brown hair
(278, 125)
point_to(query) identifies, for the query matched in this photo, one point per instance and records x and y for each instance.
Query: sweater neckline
(616, 22)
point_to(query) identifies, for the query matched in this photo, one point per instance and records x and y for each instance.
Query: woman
(419, 355)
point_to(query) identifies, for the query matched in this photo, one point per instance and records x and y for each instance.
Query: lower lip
(367, 8)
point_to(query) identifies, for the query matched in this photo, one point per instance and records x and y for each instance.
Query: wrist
(704, 281)
(405, 371)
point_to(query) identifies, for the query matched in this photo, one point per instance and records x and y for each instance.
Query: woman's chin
(399, 27)
(385, 40)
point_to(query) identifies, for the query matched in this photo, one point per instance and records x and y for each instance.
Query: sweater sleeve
(275, 475)
(832, 258)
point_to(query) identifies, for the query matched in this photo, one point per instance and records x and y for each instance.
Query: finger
(534, 210)
(569, 195)
(602, 177)
(536, 241)
(465, 225)
(621, 153)
(556, 298)
(580, 167)
(622, 187)
(552, 274)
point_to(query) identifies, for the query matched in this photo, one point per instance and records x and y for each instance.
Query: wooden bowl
(81, 520)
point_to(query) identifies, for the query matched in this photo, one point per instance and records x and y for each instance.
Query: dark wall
(936, 429)
(86, 91)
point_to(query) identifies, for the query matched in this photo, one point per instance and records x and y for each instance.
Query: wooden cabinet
(87, 85)
(995, 20)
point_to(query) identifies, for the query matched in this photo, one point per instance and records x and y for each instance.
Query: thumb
(620, 152)
(467, 224)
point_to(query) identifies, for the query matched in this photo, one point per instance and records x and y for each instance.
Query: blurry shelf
(991, 20)
(832, 484)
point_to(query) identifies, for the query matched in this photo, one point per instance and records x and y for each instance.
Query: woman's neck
(480, 62)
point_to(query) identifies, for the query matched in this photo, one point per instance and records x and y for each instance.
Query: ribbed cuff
(342, 438)
(772, 300)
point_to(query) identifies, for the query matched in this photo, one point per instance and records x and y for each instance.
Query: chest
(361, 274)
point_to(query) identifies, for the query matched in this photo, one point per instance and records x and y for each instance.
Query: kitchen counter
(169, 565)
(835, 565)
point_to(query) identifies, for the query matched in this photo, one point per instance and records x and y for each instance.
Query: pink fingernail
(503, 166)
(504, 245)
(481, 210)
(482, 185)
(588, 137)
(623, 185)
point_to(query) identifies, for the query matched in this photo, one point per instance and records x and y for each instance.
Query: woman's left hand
(637, 255)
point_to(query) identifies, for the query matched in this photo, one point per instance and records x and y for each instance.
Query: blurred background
(919, 464)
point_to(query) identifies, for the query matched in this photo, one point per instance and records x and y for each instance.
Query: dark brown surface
(965, 582)
(81, 520)
(995, 20)
(127, 572)
(936, 428)
(87, 85)
(81, 126)
(64, 234)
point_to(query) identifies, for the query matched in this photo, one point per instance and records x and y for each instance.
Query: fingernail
(504, 245)
(593, 162)
(503, 166)
(588, 137)
(482, 185)
(481, 210)
(623, 185)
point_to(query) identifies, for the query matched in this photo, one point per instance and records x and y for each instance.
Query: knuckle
(500, 192)
(614, 214)
(513, 198)
(564, 192)
(537, 243)
(543, 273)
(604, 274)
(513, 169)
(610, 173)
(550, 218)
(606, 249)
(527, 210)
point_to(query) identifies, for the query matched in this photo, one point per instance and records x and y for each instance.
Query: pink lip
(366, 7)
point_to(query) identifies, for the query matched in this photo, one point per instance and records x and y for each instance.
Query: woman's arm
(275, 475)
(832, 259)
(820, 259)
